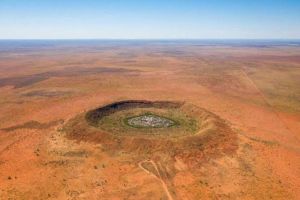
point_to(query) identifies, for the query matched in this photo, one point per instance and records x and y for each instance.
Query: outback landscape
(161, 120)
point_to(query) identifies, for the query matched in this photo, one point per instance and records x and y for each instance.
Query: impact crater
(149, 129)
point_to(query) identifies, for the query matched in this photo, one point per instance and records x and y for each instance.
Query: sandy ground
(255, 89)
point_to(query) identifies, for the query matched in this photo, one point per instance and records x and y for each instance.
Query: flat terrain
(251, 91)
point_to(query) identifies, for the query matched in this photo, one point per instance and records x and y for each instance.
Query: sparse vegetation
(64, 130)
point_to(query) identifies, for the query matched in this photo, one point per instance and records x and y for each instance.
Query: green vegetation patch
(148, 121)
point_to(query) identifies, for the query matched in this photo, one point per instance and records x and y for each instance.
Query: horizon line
(170, 39)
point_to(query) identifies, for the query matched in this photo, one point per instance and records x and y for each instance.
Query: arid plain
(245, 97)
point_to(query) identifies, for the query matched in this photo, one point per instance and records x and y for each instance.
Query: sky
(149, 19)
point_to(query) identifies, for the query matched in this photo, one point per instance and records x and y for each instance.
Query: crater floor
(149, 121)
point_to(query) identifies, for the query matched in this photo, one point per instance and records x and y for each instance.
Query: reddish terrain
(254, 89)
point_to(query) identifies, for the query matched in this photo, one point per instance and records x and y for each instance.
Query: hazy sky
(149, 19)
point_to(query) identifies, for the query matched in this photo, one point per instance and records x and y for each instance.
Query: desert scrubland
(237, 108)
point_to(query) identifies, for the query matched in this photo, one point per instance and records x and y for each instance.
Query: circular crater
(154, 129)
(137, 118)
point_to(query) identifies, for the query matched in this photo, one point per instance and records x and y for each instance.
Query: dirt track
(164, 185)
